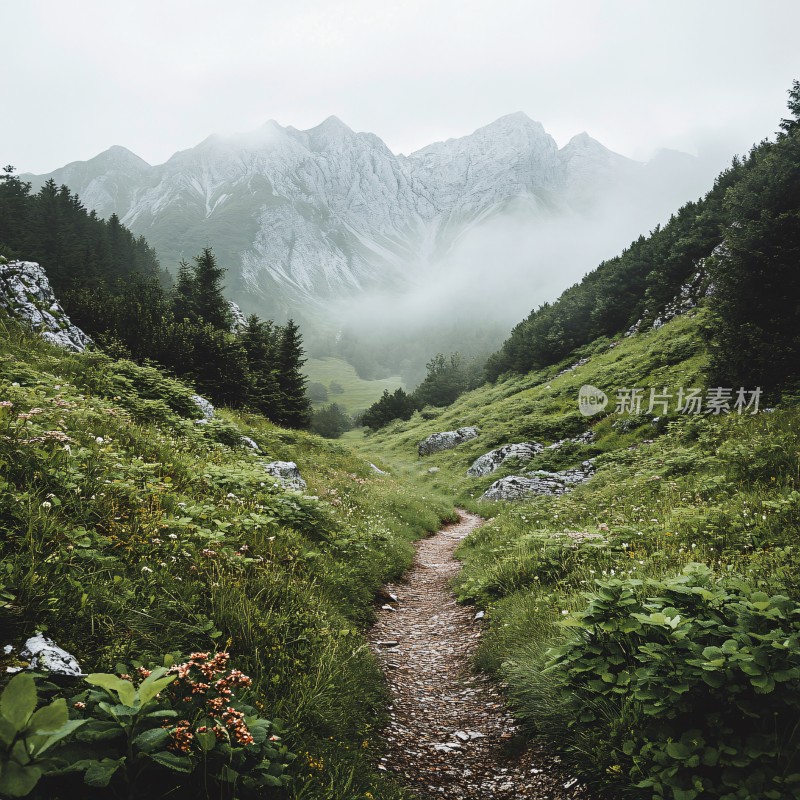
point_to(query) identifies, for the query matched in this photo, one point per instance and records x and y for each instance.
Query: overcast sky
(705, 76)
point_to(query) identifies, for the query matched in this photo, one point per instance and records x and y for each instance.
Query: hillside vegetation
(647, 624)
(130, 533)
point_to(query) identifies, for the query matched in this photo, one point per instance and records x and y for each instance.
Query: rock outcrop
(489, 462)
(25, 294)
(287, 474)
(517, 487)
(446, 440)
(204, 407)
(238, 319)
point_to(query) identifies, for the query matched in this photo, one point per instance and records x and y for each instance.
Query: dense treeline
(112, 286)
(752, 207)
(77, 248)
(447, 378)
(756, 275)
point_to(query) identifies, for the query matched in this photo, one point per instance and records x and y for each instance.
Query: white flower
(98, 439)
(173, 536)
(47, 505)
(564, 612)
(146, 569)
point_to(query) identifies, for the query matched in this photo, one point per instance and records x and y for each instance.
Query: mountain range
(307, 219)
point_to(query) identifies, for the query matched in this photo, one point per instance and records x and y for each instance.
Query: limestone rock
(203, 406)
(25, 294)
(517, 487)
(489, 462)
(45, 655)
(287, 474)
(239, 322)
(446, 440)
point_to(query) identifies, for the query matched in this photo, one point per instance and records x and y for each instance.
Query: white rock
(491, 461)
(204, 406)
(45, 655)
(287, 474)
(446, 440)
(25, 293)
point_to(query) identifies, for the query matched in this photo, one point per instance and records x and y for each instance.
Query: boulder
(446, 440)
(517, 487)
(45, 655)
(203, 406)
(25, 294)
(489, 462)
(287, 473)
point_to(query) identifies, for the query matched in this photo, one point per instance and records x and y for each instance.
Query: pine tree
(259, 340)
(209, 302)
(295, 407)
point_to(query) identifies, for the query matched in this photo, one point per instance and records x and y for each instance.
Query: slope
(632, 618)
(131, 531)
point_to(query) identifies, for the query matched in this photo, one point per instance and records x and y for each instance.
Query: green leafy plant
(710, 668)
(181, 724)
(27, 735)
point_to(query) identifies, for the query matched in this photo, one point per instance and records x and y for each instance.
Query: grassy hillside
(647, 624)
(130, 532)
(358, 394)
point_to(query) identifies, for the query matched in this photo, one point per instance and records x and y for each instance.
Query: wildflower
(146, 569)
(564, 612)
(79, 706)
(47, 505)
(173, 536)
(9, 404)
(99, 439)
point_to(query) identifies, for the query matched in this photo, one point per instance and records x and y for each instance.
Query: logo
(591, 400)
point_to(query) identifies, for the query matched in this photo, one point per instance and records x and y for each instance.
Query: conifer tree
(295, 407)
(209, 302)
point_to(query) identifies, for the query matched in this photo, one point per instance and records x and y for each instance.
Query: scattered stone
(25, 294)
(446, 440)
(572, 367)
(388, 643)
(248, 442)
(387, 607)
(491, 461)
(479, 615)
(448, 727)
(287, 473)
(433, 470)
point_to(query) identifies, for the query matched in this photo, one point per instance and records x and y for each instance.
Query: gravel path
(450, 735)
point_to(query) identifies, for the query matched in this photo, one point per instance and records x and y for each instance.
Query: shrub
(708, 668)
